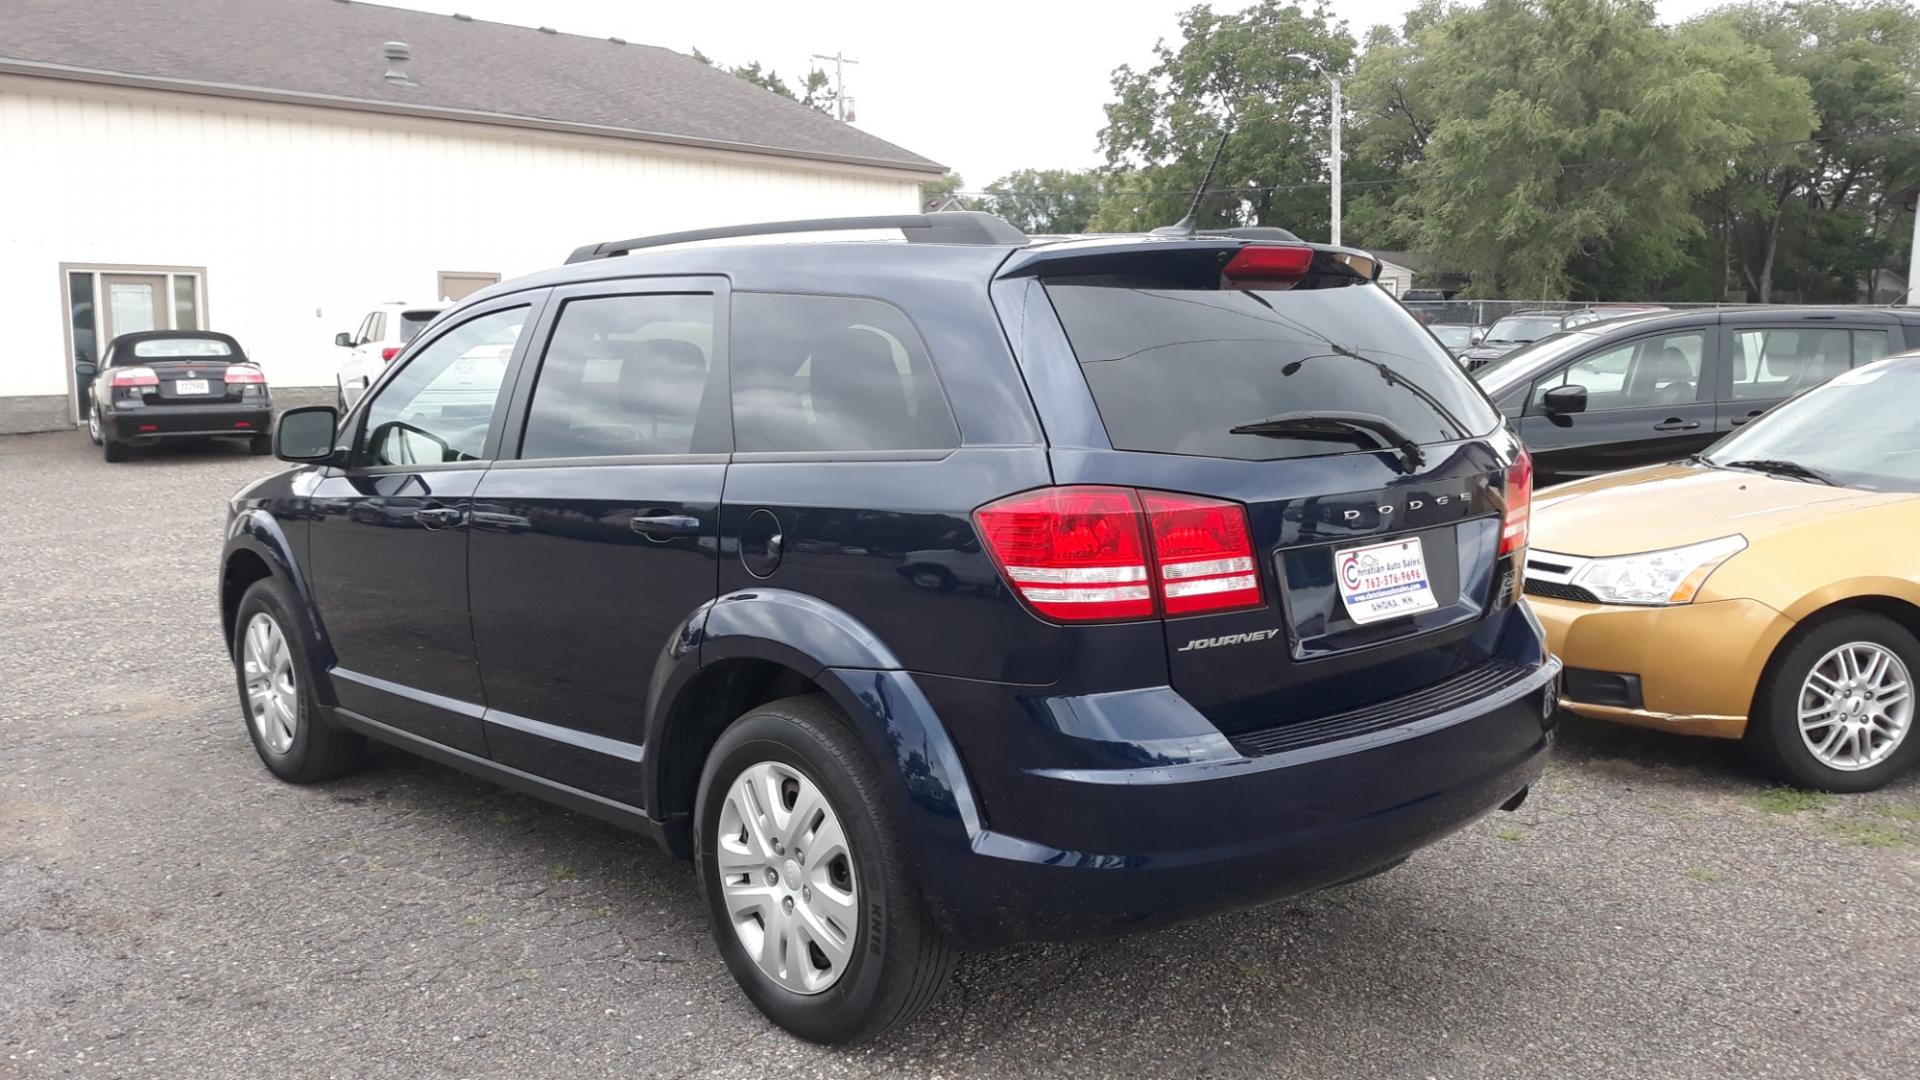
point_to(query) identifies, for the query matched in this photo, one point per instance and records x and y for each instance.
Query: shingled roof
(328, 53)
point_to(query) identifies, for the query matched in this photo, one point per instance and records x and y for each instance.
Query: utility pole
(839, 82)
(1333, 81)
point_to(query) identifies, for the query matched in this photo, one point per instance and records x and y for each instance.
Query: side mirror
(1566, 399)
(343, 339)
(305, 436)
(85, 369)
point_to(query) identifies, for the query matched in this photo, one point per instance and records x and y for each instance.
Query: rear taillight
(1100, 554)
(1513, 524)
(387, 354)
(1074, 553)
(134, 376)
(244, 373)
(1203, 555)
(1269, 263)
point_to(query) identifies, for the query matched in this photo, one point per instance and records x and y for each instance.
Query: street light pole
(1333, 82)
(839, 83)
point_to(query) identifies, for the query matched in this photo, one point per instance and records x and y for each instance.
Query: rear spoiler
(1199, 258)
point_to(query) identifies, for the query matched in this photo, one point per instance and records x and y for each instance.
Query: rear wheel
(111, 450)
(276, 693)
(813, 907)
(261, 444)
(1835, 710)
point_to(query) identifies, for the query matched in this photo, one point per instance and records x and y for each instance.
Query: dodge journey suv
(927, 596)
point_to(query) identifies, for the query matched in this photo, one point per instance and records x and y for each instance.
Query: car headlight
(1673, 576)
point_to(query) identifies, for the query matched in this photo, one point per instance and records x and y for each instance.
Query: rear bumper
(185, 421)
(1133, 848)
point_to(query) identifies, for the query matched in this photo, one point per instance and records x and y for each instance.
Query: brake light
(1514, 523)
(1269, 262)
(387, 354)
(244, 373)
(134, 376)
(1076, 554)
(1203, 555)
(1083, 554)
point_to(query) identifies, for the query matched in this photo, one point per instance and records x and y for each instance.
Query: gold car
(1767, 590)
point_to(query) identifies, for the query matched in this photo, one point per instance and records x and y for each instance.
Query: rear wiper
(1335, 425)
(1779, 466)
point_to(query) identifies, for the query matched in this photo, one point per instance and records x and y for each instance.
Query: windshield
(1175, 370)
(162, 348)
(1453, 337)
(1524, 363)
(1856, 430)
(1524, 328)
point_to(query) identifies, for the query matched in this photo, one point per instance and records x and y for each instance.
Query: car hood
(1668, 506)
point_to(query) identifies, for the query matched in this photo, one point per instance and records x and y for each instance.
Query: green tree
(816, 90)
(1047, 200)
(1559, 138)
(1230, 72)
(1814, 219)
(938, 193)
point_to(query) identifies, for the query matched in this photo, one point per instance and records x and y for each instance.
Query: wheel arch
(1892, 598)
(257, 548)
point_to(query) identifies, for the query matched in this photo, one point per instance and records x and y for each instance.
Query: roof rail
(942, 227)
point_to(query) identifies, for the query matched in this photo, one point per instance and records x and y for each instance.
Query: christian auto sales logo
(1353, 570)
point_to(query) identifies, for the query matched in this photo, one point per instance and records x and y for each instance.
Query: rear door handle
(1674, 423)
(660, 523)
(438, 517)
(1738, 420)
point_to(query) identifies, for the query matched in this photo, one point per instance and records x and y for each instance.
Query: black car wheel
(93, 426)
(276, 692)
(261, 444)
(812, 904)
(1835, 710)
(111, 450)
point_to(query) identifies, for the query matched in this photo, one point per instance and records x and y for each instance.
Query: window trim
(1711, 370)
(527, 371)
(350, 432)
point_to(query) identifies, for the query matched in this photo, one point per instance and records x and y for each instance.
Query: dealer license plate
(1382, 581)
(190, 386)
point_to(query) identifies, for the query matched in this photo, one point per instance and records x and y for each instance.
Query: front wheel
(1835, 710)
(276, 692)
(93, 427)
(813, 906)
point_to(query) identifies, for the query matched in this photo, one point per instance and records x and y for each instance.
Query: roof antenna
(1189, 225)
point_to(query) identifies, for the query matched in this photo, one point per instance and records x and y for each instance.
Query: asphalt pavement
(167, 909)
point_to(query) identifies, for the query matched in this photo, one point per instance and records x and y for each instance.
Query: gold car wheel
(1856, 706)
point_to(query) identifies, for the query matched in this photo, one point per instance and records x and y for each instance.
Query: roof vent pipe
(397, 55)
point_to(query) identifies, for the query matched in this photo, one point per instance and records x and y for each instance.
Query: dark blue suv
(929, 595)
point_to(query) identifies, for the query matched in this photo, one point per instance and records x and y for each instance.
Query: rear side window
(1174, 370)
(623, 375)
(826, 373)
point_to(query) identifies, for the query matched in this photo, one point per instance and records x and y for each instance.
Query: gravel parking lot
(168, 909)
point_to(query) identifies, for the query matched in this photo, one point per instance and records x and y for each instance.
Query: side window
(361, 335)
(436, 409)
(1869, 345)
(813, 373)
(1773, 364)
(379, 329)
(622, 375)
(1645, 373)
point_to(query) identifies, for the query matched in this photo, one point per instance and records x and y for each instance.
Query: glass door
(136, 302)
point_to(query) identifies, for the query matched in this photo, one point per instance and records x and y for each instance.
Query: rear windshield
(1528, 329)
(1173, 370)
(412, 321)
(160, 348)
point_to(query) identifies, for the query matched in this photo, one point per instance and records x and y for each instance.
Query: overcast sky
(984, 86)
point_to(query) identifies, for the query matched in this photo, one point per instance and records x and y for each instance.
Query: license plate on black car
(1382, 581)
(190, 386)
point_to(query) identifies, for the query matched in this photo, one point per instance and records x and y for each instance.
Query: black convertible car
(170, 384)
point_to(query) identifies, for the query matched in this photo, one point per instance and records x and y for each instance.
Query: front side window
(437, 408)
(1645, 373)
(1773, 364)
(827, 373)
(622, 375)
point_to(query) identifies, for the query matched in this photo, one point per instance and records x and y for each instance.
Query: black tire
(113, 451)
(1773, 728)
(94, 428)
(899, 964)
(318, 751)
(260, 445)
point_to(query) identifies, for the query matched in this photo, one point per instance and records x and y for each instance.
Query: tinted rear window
(412, 321)
(1173, 369)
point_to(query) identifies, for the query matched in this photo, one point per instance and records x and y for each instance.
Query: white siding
(303, 218)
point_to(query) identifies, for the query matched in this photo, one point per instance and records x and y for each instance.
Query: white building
(262, 169)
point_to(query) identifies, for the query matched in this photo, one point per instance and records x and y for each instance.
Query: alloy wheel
(93, 424)
(273, 701)
(787, 877)
(1856, 706)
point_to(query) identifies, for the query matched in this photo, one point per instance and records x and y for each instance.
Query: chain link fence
(1487, 312)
